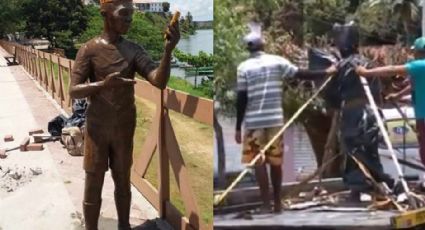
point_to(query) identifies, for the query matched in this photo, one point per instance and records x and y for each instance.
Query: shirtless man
(104, 72)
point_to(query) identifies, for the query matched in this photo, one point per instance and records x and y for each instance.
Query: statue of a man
(104, 72)
(359, 131)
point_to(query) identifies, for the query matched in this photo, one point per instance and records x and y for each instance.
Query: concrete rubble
(11, 179)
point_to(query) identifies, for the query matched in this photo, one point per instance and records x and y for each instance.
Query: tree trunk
(221, 153)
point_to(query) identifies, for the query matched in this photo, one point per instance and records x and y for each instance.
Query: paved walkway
(52, 199)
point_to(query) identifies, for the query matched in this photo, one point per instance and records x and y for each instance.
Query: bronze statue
(104, 73)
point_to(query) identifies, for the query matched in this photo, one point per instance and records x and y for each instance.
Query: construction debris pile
(13, 178)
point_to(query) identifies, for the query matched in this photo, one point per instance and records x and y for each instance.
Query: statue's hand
(112, 80)
(173, 36)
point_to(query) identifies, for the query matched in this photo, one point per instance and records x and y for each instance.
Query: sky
(201, 10)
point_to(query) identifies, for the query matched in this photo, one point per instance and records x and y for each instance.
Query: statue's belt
(355, 102)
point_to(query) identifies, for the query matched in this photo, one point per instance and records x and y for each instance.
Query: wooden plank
(60, 83)
(146, 188)
(52, 76)
(175, 218)
(197, 108)
(163, 169)
(181, 174)
(69, 100)
(55, 59)
(63, 62)
(149, 147)
(145, 90)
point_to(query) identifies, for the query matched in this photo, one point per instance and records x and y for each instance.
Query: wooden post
(163, 169)
(52, 76)
(61, 98)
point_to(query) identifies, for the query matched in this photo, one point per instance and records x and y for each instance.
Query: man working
(416, 71)
(259, 105)
(359, 132)
(109, 63)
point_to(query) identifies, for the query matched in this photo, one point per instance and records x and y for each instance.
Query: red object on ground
(420, 128)
(35, 147)
(24, 144)
(36, 131)
(8, 138)
(3, 153)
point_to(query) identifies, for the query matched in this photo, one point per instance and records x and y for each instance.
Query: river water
(202, 40)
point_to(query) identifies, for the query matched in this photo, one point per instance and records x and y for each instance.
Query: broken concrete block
(3, 153)
(24, 144)
(36, 131)
(8, 138)
(35, 147)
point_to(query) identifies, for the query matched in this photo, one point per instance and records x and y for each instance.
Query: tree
(143, 31)
(166, 6)
(11, 17)
(406, 11)
(65, 19)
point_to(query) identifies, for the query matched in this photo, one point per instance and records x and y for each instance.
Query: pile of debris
(13, 178)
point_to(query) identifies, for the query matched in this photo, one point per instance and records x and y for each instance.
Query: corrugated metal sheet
(304, 159)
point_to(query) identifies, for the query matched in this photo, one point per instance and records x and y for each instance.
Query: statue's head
(346, 38)
(117, 14)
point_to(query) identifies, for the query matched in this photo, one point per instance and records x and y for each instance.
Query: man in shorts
(259, 105)
(104, 72)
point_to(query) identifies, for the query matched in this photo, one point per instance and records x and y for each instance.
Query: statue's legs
(95, 164)
(121, 159)
(92, 199)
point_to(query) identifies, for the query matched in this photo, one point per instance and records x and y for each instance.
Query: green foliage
(10, 17)
(205, 90)
(187, 25)
(320, 15)
(144, 33)
(94, 25)
(63, 18)
(146, 30)
(201, 60)
(229, 27)
(406, 11)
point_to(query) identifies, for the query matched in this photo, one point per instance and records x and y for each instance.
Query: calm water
(202, 40)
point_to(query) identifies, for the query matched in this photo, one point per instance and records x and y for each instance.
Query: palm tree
(407, 11)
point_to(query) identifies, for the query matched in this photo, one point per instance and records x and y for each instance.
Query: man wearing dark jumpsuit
(104, 72)
(359, 130)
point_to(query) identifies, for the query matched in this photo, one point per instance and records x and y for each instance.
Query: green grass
(65, 74)
(182, 85)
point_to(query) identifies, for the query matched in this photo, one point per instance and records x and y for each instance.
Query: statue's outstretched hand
(113, 80)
